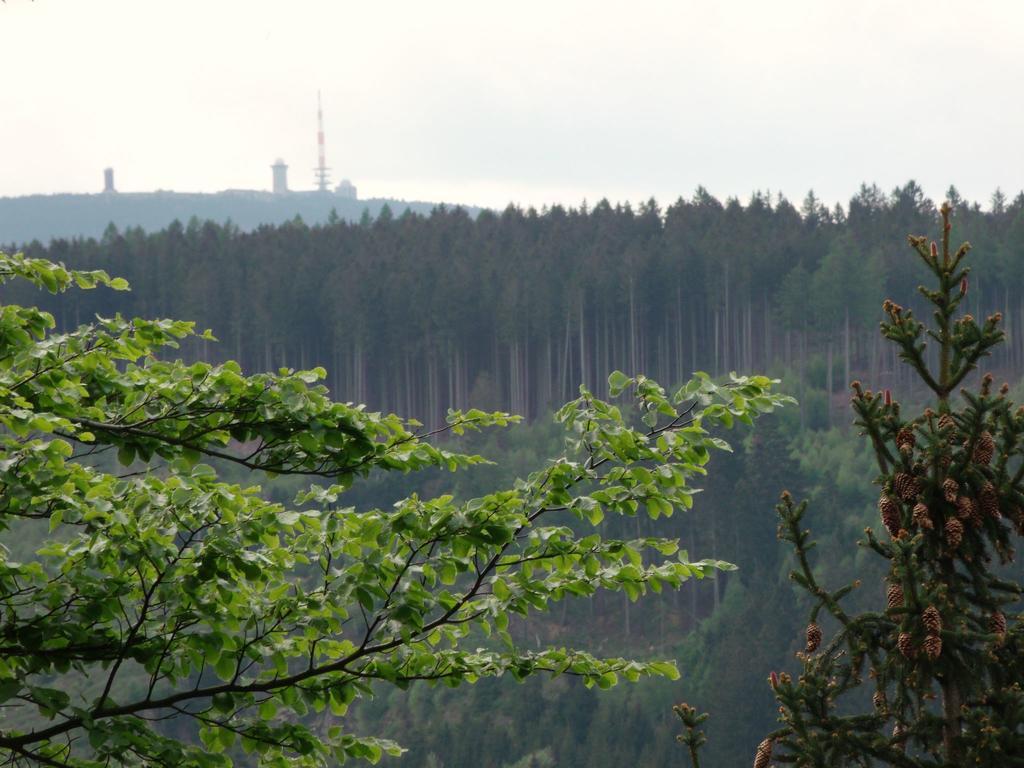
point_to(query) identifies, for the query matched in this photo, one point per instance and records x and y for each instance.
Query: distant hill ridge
(46, 217)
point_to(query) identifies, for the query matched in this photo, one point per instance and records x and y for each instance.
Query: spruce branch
(693, 738)
(944, 661)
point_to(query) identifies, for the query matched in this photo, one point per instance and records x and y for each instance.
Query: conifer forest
(516, 309)
(453, 320)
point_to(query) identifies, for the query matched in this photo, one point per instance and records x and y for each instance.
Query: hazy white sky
(534, 102)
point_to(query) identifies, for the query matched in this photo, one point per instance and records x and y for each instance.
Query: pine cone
(894, 596)
(906, 486)
(764, 754)
(946, 422)
(976, 516)
(964, 507)
(932, 620)
(813, 637)
(932, 647)
(905, 437)
(988, 499)
(950, 489)
(899, 735)
(997, 623)
(984, 449)
(890, 514)
(879, 701)
(921, 517)
(906, 645)
(954, 532)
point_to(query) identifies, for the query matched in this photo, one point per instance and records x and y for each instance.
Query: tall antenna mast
(323, 173)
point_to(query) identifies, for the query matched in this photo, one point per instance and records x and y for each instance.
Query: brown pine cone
(954, 532)
(813, 637)
(900, 737)
(950, 489)
(976, 516)
(905, 437)
(764, 754)
(894, 596)
(988, 499)
(906, 486)
(997, 623)
(984, 449)
(879, 700)
(964, 507)
(922, 519)
(946, 422)
(932, 620)
(906, 645)
(890, 514)
(932, 647)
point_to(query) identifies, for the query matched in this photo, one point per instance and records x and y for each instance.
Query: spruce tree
(933, 677)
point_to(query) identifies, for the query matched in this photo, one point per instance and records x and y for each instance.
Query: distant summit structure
(323, 173)
(346, 190)
(45, 217)
(280, 170)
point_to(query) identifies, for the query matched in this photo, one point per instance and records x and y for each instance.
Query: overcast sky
(533, 102)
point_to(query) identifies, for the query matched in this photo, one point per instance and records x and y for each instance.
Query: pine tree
(940, 660)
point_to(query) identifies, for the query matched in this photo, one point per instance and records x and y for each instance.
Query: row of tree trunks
(534, 371)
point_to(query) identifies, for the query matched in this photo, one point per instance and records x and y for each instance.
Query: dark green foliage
(416, 313)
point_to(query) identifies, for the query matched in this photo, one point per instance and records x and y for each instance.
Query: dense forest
(416, 313)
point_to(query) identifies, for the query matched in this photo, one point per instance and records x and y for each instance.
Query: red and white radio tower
(323, 173)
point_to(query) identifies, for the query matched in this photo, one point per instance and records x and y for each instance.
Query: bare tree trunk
(846, 348)
(634, 363)
(679, 375)
(583, 358)
(548, 399)
(725, 324)
(566, 362)
(828, 378)
(716, 370)
(526, 377)
(750, 336)
(693, 340)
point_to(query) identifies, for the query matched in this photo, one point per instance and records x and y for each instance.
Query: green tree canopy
(163, 591)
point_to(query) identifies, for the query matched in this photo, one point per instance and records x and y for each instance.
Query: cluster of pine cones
(931, 620)
(957, 505)
(970, 507)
